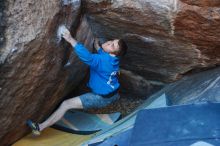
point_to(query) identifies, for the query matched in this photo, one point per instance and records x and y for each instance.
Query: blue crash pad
(178, 126)
(83, 123)
(127, 122)
(121, 139)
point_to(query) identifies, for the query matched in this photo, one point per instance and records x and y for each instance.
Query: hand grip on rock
(61, 31)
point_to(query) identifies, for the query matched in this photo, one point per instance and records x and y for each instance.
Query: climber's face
(111, 46)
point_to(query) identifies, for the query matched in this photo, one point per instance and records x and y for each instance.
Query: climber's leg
(73, 103)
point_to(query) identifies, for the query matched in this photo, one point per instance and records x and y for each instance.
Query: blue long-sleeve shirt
(103, 69)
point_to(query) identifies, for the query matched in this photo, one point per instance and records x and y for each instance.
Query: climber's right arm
(67, 36)
(81, 51)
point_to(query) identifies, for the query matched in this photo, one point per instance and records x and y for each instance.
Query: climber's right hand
(67, 36)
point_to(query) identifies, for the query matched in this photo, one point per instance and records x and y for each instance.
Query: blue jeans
(92, 100)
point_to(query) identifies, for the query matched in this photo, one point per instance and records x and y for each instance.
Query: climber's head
(115, 47)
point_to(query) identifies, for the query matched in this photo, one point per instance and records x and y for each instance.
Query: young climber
(104, 66)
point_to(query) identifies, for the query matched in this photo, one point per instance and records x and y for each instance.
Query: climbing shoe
(34, 126)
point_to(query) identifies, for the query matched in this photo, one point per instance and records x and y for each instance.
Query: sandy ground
(126, 104)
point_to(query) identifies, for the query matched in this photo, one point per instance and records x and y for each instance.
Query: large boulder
(166, 38)
(32, 77)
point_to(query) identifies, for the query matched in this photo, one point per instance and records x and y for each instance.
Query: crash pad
(177, 125)
(122, 139)
(53, 137)
(156, 101)
(84, 123)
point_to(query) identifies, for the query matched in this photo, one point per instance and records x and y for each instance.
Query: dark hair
(122, 48)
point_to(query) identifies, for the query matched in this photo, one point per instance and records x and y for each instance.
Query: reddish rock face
(203, 3)
(32, 77)
(200, 27)
(166, 38)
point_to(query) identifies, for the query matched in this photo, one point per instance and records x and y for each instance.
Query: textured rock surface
(32, 77)
(133, 85)
(203, 3)
(197, 88)
(166, 38)
(2, 22)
